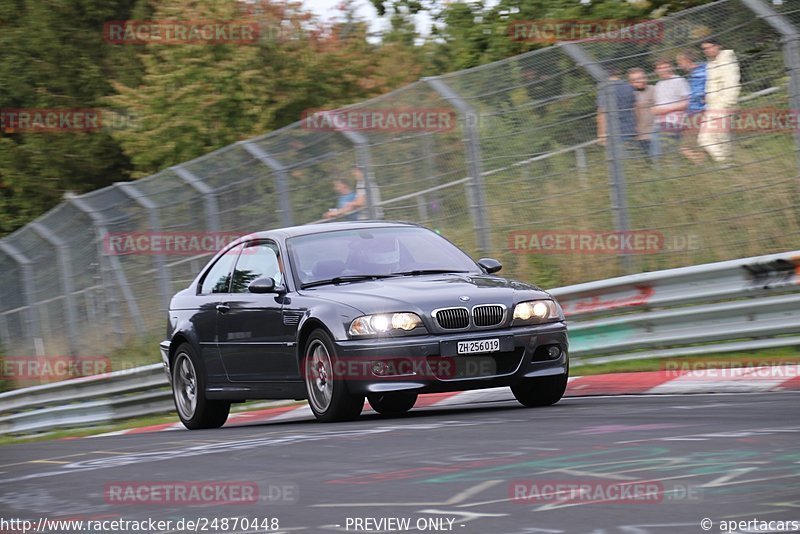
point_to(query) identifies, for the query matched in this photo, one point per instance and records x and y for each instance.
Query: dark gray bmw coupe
(337, 312)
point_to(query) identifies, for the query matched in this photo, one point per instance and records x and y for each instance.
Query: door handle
(222, 308)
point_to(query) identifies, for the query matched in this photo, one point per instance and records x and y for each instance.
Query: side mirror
(491, 265)
(262, 285)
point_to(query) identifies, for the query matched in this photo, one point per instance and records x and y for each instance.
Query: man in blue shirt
(696, 74)
(346, 195)
(351, 203)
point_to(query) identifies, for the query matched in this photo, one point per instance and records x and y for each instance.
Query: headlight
(536, 311)
(384, 323)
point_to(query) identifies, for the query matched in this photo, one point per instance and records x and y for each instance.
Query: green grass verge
(136, 422)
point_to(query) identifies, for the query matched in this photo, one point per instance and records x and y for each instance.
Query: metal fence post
(113, 263)
(429, 149)
(5, 335)
(615, 149)
(365, 164)
(155, 224)
(790, 39)
(281, 182)
(473, 149)
(31, 317)
(65, 269)
(209, 198)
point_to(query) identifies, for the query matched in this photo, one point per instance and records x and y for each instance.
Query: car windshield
(350, 255)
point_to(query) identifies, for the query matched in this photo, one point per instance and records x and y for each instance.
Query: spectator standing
(351, 200)
(671, 99)
(643, 111)
(625, 104)
(345, 197)
(722, 95)
(696, 72)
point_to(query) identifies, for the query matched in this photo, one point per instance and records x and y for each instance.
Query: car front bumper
(431, 363)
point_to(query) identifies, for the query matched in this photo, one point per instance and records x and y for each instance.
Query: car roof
(307, 229)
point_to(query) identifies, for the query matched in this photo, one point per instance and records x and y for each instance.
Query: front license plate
(479, 346)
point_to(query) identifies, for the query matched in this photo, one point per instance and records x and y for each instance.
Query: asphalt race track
(492, 467)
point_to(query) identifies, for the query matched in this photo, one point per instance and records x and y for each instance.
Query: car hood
(427, 292)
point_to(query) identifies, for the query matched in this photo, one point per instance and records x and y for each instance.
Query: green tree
(468, 34)
(194, 98)
(52, 55)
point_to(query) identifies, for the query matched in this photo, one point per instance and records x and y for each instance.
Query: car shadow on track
(427, 412)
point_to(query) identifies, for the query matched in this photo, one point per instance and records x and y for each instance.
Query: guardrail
(745, 304)
(709, 308)
(86, 400)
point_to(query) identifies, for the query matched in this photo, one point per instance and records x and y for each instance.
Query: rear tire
(328, 396)
(189, 393)
(542, 391)
(392, 403)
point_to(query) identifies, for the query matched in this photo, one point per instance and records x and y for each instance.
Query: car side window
(218, 278)
(259, 259)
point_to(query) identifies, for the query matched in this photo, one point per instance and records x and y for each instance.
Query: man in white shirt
(722, 94)
(670, 99)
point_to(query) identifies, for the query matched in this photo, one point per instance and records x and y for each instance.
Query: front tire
(188, 392)
(542, 391)
(392, 403)
(328, 396)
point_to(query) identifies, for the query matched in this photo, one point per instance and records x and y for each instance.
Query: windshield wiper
(427, 271)
(346, 278)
